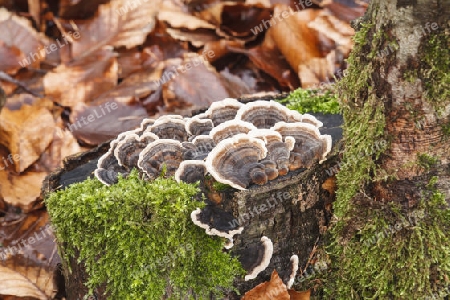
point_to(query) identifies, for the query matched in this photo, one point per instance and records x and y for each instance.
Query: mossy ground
(137, 237)
(305, 101)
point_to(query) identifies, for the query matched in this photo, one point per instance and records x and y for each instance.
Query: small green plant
(426, 161)
(305, 101)
(137, 237)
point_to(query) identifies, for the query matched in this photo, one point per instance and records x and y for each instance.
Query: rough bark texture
(300, 212)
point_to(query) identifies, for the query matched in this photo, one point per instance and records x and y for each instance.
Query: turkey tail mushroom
(235, 161)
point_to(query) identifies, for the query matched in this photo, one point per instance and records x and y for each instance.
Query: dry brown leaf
(96, 124)
(274, 289)
(317, 70)
(21, 190)
(17, 32)
(179, 19)
(80, 9)
(26, 282)
(197, 38)
(305, 295)
(193, 83)
(63, 145)
(10, 57)
(82, 80)
(296, 41)
(133, 88)
(118, 23)
(23, 121)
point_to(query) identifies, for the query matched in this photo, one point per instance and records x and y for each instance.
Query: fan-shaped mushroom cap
(166, 128)
(265, 114)
(235, 161)
(108, 168)
(307, 118)
(159, 153)
(309, 143)
(278, 151)
(256, 258)
(190, 171)
(127, 150)
(222, 111)
(229, 129)
(216, 221)
(196, 126)
(146, 123)
(199, 148)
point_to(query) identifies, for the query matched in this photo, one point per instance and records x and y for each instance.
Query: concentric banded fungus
(229, 129)
(146, 124)
(222, 111)
(235, 161)
(307, 118)
(265, 114)
(216, 221)
(256, 258)
(127, 151)
(159, 153)
(108, 168)
(190, 171)
(199, 148)
(196, 126)
(166, 128)
(277, 150)
(309, 146)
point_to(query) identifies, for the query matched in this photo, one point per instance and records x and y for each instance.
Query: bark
(298, 211)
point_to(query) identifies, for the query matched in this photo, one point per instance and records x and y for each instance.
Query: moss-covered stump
(292, 210)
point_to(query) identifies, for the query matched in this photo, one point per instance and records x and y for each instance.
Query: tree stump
(292, 210)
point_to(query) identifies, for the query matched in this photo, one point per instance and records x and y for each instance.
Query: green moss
(426, 161)
(137, 237)
(315, 101)
(437, 72)
(396, 254)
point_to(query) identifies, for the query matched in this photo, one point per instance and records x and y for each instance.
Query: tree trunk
(297, 211)
(395, 94)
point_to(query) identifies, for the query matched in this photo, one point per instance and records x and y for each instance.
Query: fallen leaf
(274, 289)
(118, 23)
(21, 190)
(292, 36)
(82, 80)
(305, 295)
(94, 125)
(22, 122)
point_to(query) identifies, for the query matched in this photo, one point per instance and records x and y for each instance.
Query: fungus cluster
(237, 144)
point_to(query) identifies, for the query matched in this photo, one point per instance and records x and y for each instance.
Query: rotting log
(292, 210)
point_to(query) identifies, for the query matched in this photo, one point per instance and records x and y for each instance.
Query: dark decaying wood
(297, 211)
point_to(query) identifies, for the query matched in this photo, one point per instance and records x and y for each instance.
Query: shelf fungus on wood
(166, 128)
(217, 222)
(237, 144)
(160, 153)
(236, 161)
(229, 129)
(265, 114)
(255, 258)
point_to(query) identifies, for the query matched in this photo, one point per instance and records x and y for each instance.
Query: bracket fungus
(237, 144)
(196, 126)
(166, 128)
(222, 111)
(190, 171)
(256, 258)
(265, 114)
(128, 149)
(217, 222)
(229, 129)
(160, 153)
(235, 161)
